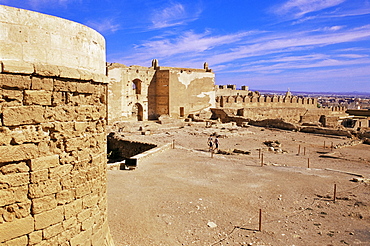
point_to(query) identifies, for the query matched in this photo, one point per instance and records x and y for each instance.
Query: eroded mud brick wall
(52, 132)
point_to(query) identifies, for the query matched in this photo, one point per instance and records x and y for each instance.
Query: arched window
(136, 85)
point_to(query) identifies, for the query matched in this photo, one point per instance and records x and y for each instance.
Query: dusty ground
(186, 197)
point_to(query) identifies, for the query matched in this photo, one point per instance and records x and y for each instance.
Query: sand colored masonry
(52, 132)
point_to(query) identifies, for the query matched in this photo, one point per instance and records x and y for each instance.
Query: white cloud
(107, 25)
(301, 7)
(291, 42)
(173, 15)
(40, 3)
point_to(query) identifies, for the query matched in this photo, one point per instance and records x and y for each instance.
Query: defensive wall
(145, 93)
(247, 101)
(52, 131)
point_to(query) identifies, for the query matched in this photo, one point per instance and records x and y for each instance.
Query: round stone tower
(52, 131)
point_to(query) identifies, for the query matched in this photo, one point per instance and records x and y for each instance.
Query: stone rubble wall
(52, 140)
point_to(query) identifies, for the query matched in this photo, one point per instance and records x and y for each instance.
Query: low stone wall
(287, 114)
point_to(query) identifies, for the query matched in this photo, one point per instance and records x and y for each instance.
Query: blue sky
(304, 45)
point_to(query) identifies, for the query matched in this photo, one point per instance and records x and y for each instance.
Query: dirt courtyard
(186, 196)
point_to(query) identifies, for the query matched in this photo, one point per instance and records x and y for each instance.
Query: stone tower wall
(52, 132)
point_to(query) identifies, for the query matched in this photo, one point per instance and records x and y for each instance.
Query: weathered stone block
(64, 85)
(29, 134)
(15, 96)
(20, 241)
(5, 136)
(14, 168)
(47, 70)
(69, 223)
(14, 179)
(42, 204)
(21, 82)
(75, 144)
(35, 237)
(84, 215)
(23, 209)
(18, 152)
(17, 67)
(44, 162)
(59, 98)
(49, 218)
(52, 231)
(83, 238)
(6, 197)
(44, 188)
(16, 228)
(82, 190)
(87, 224)
(39, 83)
(65, 196)
(85, 88)
(39, 175)
(90, 200)
(37, 97)
(20, 193)
(60, 171)
(73, 208)
(15, 116)
(67, 72)
(61, 113)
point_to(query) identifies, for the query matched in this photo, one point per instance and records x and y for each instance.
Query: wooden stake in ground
(308, 163)
(260, 221)
(173, 143)
(335, 192)
(259, 154)
(261, 160)
(304, 151)
(299, 149)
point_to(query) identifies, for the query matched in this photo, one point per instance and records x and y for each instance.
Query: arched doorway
(137, 112)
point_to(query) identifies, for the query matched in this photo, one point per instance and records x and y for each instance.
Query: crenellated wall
(246, 101)
(52, 132)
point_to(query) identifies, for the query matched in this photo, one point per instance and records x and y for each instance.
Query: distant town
(350, 100)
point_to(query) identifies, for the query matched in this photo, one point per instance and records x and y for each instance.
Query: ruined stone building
(145, 93)
(52, 131)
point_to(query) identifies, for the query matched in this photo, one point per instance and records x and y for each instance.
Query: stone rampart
(246, 101)
(52, 132)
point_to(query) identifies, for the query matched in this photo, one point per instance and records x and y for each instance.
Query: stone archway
(137, 112)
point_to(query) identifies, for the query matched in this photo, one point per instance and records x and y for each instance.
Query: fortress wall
(190, 92)
(241, 101)
(52, 133)
(260, 113)
(122, 94)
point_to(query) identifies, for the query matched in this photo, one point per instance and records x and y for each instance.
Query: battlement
(242, 101)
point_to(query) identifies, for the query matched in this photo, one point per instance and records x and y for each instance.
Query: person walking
(210, 143)
(217, 143)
